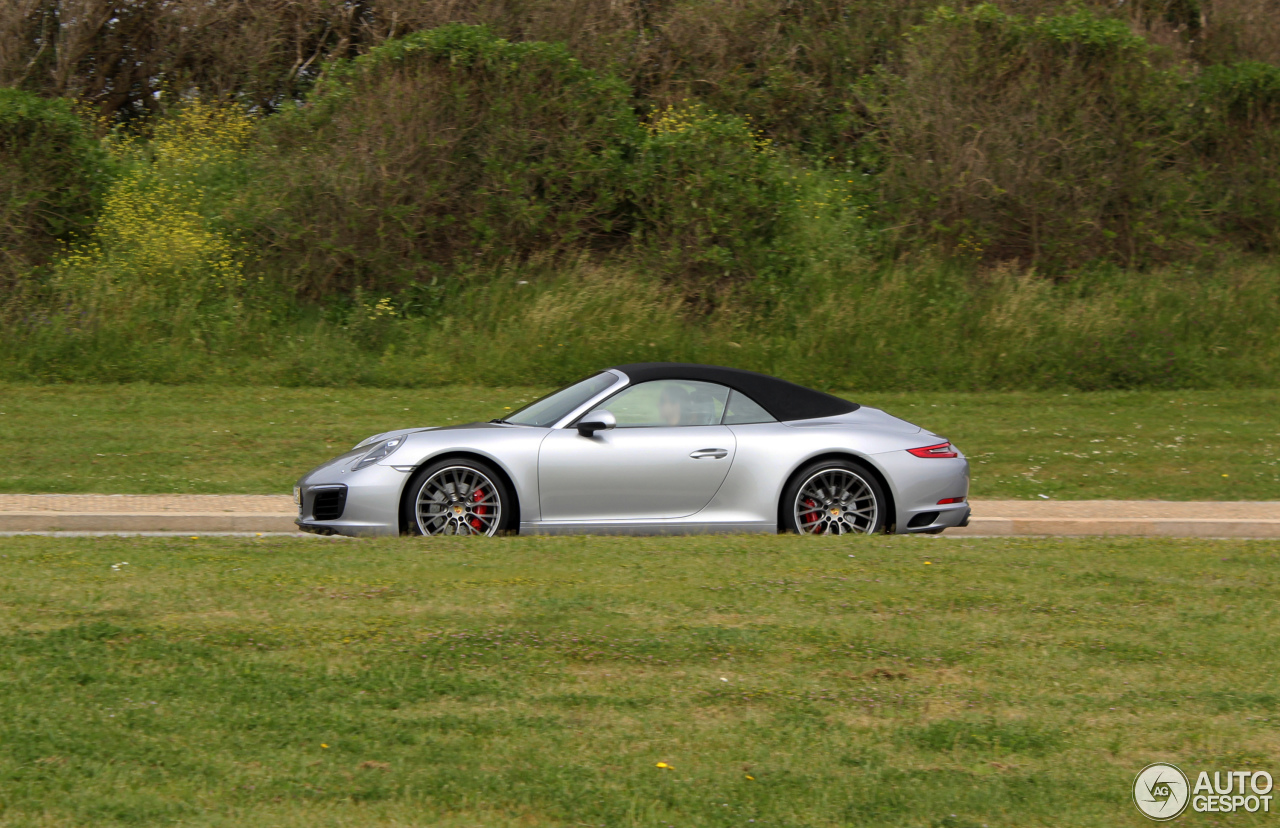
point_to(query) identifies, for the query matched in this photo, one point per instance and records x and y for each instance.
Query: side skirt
(644, 528)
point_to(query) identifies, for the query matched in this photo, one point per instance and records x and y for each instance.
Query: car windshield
(552, 408)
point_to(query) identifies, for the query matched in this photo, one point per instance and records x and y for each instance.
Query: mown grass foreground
(143, 439)
(728, 681)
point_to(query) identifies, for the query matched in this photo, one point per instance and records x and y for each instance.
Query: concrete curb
(146, 522)
(1142, 527)
(275, 514)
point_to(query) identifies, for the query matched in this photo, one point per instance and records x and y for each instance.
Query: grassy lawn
(1185, 445)
(527, 682)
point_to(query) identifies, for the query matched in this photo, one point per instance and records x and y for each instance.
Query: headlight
(366, 441)
(384, 449)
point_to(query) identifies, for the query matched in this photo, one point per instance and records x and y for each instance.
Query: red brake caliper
(478, 495)
(812, 517)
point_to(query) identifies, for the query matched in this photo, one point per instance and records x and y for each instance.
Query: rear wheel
(833, 497)
(456, 497)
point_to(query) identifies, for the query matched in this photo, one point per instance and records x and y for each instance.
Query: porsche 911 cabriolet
(649, 448)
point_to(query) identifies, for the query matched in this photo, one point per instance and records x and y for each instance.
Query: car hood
(400, 432)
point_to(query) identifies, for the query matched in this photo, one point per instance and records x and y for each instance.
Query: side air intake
(329, 503)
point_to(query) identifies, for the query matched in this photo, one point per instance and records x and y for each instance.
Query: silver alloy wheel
(836, 502)
(458, 500)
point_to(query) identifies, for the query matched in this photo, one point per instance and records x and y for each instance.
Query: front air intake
(329, 503)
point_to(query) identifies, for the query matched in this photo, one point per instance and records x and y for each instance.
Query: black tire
(467, 491)
(817, 501)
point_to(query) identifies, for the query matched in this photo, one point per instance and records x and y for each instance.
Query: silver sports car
(649, 448)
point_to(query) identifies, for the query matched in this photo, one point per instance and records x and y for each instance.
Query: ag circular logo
(1161, 791)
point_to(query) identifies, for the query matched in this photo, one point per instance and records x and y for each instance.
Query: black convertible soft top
(784, 400)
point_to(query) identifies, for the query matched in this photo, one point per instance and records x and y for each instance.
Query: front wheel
(456, 497)
(833, 497)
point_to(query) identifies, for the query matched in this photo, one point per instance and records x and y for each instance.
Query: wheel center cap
(835, 512)
(457, 509)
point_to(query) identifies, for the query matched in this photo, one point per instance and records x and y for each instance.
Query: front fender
(512, 449)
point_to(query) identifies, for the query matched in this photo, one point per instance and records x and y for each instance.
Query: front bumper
(316, 528)
(371, 506)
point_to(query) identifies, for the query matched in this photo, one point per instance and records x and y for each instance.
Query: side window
(669, 403)
(743, 410)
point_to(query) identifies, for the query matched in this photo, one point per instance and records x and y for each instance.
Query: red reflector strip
(947, 500)
(940, 450)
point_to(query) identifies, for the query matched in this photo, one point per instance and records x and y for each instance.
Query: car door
(665, 459)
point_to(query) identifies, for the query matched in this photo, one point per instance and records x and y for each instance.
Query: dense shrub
(752, 182)
(452, 146)
(1043, 140)
(51, 174)
(444, 145)
(161, 261)
(786, 65)
(710, 196)
(1235, 133)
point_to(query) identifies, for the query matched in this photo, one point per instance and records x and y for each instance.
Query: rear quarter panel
(770, 453)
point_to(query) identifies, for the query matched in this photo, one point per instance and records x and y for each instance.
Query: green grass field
(782, 681)
(1184, 445)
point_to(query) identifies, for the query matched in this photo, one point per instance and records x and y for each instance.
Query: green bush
(452, 146)
(51, 176)
(458, 207)
(163, 262)
(711, 197)
(1233, 125)
(1244, 92)
(445, 146)
(785, 65)
(1042, 140)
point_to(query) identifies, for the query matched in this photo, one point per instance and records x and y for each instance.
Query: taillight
(947, 500)
(940, 450)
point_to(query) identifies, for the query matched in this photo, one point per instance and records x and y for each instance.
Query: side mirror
(598, 420)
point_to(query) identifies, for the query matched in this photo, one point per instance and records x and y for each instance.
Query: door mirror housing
(598, 420)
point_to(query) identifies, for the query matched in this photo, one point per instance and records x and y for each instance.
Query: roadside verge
(147, 513)
(275, 513)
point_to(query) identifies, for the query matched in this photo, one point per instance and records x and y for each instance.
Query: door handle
(715, 454)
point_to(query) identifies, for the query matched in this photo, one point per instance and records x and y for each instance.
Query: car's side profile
(649, 448)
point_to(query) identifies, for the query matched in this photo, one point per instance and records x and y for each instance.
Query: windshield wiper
(498, 420)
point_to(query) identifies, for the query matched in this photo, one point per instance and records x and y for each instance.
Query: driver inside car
(673, 405)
